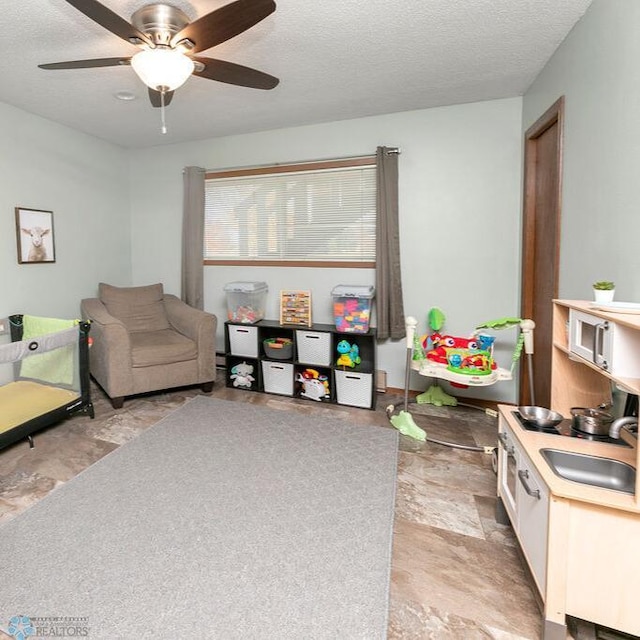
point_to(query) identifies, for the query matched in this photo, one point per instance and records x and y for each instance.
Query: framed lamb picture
(34, 235)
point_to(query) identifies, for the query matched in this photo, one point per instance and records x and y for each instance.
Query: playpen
(44, 376)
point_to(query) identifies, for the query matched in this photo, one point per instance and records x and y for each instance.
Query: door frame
(553, 115)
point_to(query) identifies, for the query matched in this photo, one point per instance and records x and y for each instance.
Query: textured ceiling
(336, 59)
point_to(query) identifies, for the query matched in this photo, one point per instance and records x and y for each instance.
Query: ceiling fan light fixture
(162, 69)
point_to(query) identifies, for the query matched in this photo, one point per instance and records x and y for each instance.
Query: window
(313, 214)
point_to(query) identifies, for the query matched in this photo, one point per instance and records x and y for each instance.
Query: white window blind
(323, 214)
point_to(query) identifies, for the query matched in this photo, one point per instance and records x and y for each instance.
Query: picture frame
(295, 308)
(35, 236)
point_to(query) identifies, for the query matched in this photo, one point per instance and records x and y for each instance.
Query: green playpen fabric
(54, 367)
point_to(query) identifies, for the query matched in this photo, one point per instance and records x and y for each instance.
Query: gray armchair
(146, 340)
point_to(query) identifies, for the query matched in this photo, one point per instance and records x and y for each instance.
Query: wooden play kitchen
(580, 540)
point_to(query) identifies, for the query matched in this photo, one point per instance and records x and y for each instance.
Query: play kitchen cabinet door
(525, 498)
(602, 579)
(532, 500)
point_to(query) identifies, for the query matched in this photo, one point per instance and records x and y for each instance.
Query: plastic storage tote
(352, 307)
(246, 301)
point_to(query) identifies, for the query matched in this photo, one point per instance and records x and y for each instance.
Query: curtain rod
(396, 150)
(364, 155)
(390, 150)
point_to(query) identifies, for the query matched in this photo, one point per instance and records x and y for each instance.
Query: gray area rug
(224, 520)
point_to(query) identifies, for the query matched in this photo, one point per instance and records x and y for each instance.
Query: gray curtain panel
(389, 306)
(193, 237)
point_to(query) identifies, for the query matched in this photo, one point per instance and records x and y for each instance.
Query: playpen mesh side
(38, 375)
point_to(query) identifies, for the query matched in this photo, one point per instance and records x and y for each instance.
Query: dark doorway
(541, 244)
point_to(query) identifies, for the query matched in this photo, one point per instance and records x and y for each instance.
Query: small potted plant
(604, 290)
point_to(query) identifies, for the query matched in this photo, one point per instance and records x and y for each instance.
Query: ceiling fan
(168, 42)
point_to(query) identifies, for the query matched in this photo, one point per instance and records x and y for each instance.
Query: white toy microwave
(604, 343)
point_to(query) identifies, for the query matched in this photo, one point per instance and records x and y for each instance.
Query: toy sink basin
(605, 473)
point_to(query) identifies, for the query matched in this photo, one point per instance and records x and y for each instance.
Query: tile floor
(455, 571)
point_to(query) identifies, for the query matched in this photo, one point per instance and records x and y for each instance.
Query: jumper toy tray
(435, 370)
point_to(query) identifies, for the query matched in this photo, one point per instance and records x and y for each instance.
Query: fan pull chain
(163, 129)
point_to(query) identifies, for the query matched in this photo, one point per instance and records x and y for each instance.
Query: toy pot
(592, 421)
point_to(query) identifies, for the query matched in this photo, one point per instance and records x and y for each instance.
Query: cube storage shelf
(310, 372)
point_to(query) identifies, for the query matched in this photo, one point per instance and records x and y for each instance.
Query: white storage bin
(277, 377)
(246, 301)
(243, 341)
(314, 347)
(354, 389)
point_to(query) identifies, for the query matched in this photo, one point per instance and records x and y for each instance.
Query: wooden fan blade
(224, 23)
(156, 98)
(87, 64)
(232, 73)
(110, 21)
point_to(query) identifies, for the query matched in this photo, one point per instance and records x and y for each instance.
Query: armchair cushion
(163, 347)
(139, 308)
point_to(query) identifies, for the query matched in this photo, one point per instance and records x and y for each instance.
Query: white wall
(460, 196)
(84, 181)
(460, 207)
(596, 68)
